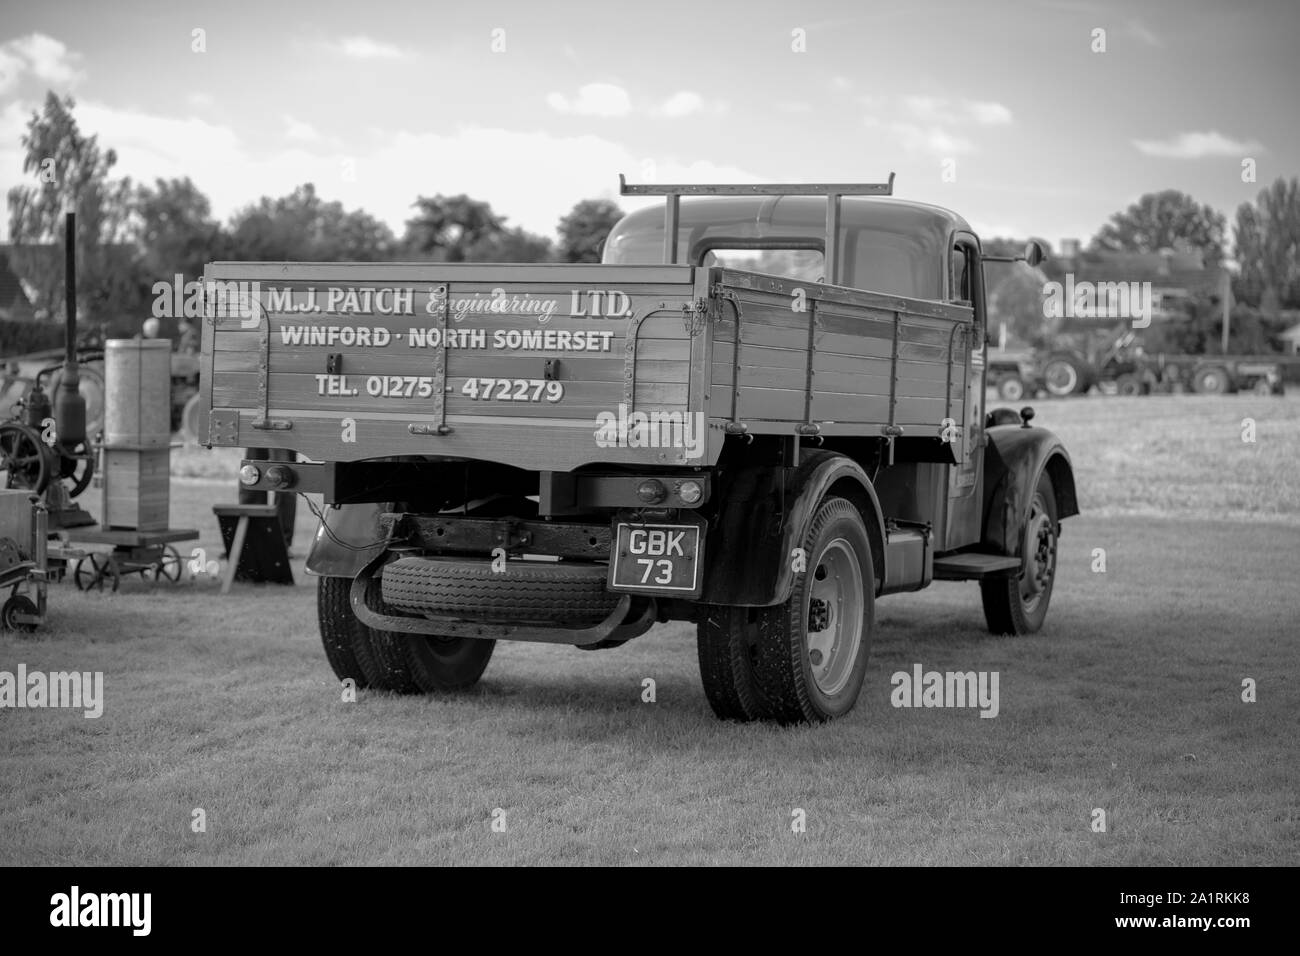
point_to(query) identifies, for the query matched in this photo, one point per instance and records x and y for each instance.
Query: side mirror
(1035, 252)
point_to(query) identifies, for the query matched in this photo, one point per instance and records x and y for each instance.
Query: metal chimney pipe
(69, 406)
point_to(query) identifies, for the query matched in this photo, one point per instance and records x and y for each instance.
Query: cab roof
(893, 246)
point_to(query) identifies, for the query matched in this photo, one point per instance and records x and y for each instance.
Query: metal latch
(333, 364)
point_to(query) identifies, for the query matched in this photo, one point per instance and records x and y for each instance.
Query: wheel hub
(835, 607)
(1039, 553)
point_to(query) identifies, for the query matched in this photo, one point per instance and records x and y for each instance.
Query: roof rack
(832, 191)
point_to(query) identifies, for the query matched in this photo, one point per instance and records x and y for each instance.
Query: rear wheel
(19, 604)
(346, 639)
(1017, 604)
(727, 639)
(1011, 389)
(1062, 376)
(811, 652)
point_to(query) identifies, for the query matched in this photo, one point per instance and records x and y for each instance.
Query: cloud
(43, 57)
(988, 113)
(916, 138)
(392, 167)
(594, 99)
(933, 109)
(1140, 31)
(681, 103)
(364, 48)
(1197, 145)
(299, 131)
(201, 101)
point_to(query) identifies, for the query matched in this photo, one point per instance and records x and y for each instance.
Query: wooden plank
(759, 403)
(910, 410)
(488, 273)
(761, 356)
(573, 366)
(288, 390)
(534, 444)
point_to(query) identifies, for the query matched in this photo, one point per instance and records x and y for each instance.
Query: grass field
(1129, 701)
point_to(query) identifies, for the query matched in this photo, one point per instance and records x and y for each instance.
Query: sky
(1037, 117)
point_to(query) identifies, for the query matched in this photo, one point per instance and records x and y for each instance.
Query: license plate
(656, 558)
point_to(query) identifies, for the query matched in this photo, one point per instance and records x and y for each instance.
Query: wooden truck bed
(349, 361)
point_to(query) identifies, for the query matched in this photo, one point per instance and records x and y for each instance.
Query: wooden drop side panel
(500, 363)
(850, 362)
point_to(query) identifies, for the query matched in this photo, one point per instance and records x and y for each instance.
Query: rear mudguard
(750, 554)
(352, 540)
(1014, 459)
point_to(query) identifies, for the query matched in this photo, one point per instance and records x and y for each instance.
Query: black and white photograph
(593, 434)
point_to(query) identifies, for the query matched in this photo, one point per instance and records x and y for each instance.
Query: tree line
(131, 235)
(1266, 247)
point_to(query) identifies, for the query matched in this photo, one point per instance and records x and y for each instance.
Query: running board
(973, 566)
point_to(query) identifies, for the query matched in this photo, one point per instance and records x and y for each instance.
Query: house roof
(1163, 270)
(12, 294)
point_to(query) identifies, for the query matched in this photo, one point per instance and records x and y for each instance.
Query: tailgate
(520, 364)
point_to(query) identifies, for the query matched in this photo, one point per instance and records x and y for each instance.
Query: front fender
(766, 516)
(351, 541)
(1014, 459)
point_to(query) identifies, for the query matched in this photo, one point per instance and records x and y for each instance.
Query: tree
(446, 228)
(511, 245)
(72, 172)
(1266, 237)
(584, 230)
(301, 227)
(1015, 299)
(1164, 220)
(174, 229)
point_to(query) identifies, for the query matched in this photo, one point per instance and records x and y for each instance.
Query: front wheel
(1017, 604)
(811, 652)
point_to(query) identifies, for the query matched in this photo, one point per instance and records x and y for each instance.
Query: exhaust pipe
(69, 405)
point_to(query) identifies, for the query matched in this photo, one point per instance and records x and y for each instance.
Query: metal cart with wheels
(150, 554)
(24, 573)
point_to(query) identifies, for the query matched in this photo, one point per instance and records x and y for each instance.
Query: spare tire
(527, 592)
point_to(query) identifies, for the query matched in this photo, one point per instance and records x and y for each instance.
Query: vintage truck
(571, 453)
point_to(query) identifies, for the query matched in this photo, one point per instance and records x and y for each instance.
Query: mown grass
(1130, 701)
